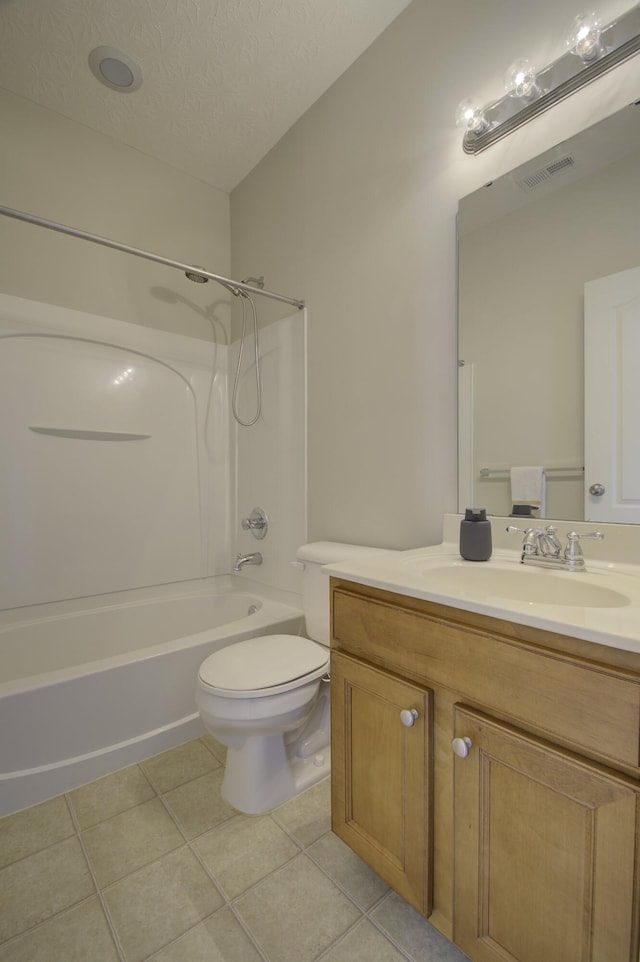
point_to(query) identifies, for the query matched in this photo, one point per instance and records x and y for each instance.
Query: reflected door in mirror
(612, 397)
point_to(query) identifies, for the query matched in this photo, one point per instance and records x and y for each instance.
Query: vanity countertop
(600, 605)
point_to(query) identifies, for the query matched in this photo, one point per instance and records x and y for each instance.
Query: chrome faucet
(541, 547)
(247, 559)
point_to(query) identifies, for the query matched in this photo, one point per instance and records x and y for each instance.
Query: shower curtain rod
(148, 255)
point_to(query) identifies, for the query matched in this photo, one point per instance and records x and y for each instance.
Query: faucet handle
(257, 523)
(529, 542)
(573, 551)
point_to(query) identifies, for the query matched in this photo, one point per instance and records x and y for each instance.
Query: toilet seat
(257, 667)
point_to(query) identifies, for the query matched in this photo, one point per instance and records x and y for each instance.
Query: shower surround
(121, 494)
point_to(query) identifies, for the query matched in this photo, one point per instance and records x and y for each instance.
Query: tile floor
(150, 863)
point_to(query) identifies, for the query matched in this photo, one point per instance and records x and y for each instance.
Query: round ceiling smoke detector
(114, 69)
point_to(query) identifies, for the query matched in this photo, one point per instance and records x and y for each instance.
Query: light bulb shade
(583, 37)
(470, 116)
(520, 80)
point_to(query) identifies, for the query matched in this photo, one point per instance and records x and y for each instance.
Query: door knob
(408, 717)
(597, 490)
(462, 746)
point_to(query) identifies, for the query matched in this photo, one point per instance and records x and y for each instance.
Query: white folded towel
(528, 487)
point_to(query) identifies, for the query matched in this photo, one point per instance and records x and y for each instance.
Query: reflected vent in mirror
(543, 174)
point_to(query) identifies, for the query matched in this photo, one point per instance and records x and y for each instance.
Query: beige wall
(62, 171)
(354, 211)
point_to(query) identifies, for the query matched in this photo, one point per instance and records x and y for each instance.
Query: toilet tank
(315, 581)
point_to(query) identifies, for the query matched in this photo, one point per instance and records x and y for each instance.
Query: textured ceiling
(223, 79)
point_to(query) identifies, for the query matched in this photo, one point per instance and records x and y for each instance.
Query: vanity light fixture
(520, 80)
(583, 38)
(470, 116)
(591, 51)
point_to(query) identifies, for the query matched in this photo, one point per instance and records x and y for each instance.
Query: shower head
(201, 279)
(196, 278)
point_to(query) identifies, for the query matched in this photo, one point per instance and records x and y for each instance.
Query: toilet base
(264, 773)
(267, 770)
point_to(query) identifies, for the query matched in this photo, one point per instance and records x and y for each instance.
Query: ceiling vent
(543, 174)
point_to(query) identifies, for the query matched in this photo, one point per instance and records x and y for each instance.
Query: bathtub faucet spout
(247, 559)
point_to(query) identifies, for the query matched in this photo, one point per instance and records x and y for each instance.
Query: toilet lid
(264, 662)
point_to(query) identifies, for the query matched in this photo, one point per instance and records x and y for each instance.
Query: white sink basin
(522, 583)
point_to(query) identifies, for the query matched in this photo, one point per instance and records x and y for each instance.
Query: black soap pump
(475, 535)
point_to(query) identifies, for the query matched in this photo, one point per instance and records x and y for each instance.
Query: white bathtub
(89, 687)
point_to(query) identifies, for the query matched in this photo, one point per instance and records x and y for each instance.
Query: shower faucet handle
(257, 523)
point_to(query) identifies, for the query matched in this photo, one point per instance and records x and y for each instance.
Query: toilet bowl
(267, 698)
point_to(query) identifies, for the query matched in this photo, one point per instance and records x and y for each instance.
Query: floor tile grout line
(65, 908)
(86, 828)
(303, 853)
(290, 833)
(72, 812)
(378, 902)
(249, 933)
(111, 818)
(187, 781)
(38, 851)
(43, 922)
(390, 938)
(238, 898)
(42, 848)
(95, 894)
(380, 927)
(103, 903)
(173, 818)
(203, 921)
(156, 858)
(340, 939)
(230, 900)
(154, 784)
(342, 887)
(203, 740)
(102, 893)
(145, 865)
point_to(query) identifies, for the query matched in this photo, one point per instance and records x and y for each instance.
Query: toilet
(267, 698)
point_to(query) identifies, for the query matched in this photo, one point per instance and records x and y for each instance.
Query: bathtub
(115, 679)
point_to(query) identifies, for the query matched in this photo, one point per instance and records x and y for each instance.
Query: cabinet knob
(462, 746)
(408, 717)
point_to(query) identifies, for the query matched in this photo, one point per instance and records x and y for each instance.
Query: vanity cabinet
(544, 850)
(508, 812)
(382, 772)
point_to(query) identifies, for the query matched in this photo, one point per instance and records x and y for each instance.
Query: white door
(612, 397)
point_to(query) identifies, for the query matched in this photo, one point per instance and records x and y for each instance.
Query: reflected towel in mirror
(528, 487)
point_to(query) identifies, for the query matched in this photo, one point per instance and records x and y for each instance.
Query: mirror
(527, 244)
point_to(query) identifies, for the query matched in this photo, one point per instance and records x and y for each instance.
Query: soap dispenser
(475, 535)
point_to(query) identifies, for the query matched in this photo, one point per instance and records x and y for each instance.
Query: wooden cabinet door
(382, 775)
(545, 852)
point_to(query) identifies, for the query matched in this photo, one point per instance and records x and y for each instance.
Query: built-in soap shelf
(85, 435)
